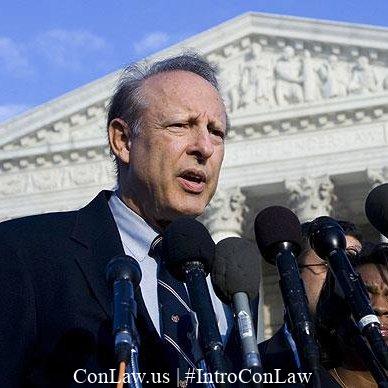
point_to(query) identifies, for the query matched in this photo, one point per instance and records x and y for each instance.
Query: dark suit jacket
(276, 353)
(55, 305)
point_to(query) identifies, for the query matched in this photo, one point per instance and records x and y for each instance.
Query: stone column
(377, 177)
(224, 218)
(225, 214)
(311, 197)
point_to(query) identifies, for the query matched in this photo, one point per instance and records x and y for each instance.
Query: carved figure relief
(311, 90)
(86, 174)
(261, 78)
(231, 90)
(289, 79)
(256, 79)
(364, 78)
(334, 78)
(47, 180)
(11, 185)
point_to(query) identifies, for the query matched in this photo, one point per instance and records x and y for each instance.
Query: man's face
(175, 160)
(375, 277)
(313, 271)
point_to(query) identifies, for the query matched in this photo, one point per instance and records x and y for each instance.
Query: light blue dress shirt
(136, 237)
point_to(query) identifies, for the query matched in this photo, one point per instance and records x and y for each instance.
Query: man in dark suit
(280, 351)
(166, 128)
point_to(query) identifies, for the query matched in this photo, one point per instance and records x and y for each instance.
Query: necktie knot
(156, 248)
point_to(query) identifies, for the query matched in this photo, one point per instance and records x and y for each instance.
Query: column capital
(377, 176)
(311, 197)
(224, 215)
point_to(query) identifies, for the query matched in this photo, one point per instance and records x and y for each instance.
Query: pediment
(278, 75)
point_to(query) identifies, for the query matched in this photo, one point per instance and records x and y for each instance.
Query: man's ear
(120, 139)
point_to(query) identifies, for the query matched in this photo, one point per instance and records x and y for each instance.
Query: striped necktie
(178, 325)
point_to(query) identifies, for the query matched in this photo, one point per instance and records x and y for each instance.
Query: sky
(50, 47)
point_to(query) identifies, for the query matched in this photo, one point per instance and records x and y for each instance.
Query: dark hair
(372, 253)
(127, 102)
(348, 227)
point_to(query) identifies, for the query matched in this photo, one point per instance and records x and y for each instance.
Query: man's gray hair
(127, 102)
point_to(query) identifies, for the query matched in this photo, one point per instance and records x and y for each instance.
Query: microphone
(189, 252)
(328, 240)
(376, 208)
(123, 274)
(236, 280)
(279, 237)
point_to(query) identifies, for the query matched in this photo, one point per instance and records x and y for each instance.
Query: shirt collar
(136, 235)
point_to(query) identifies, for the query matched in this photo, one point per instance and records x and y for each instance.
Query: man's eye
(178, 125)
(218, 133)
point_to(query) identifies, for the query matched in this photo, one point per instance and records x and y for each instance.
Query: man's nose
(201, 145)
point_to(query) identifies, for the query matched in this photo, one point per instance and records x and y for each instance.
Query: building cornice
(220, 40)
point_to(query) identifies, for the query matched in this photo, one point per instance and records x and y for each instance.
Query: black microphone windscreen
(273, 225)
(376, 208)
(236, 268)
(325, 236)
(123, 267)
(186, 240)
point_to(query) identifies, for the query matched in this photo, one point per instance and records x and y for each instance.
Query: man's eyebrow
(212, 122)
(194, 118)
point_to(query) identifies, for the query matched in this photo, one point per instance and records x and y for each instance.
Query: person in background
(280, 351)
(350, 370)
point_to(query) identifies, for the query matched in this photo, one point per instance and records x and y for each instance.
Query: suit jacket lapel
(279, 351)
(96, 230)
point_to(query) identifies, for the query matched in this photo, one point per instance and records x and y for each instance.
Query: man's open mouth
(192, 180)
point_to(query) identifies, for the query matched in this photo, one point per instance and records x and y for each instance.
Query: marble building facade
(308, 105)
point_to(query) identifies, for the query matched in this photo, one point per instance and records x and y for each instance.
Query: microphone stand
(243, 317)
(301, 325)
(328, 240)
(123, 274)
(209, 334)
(132, 368)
